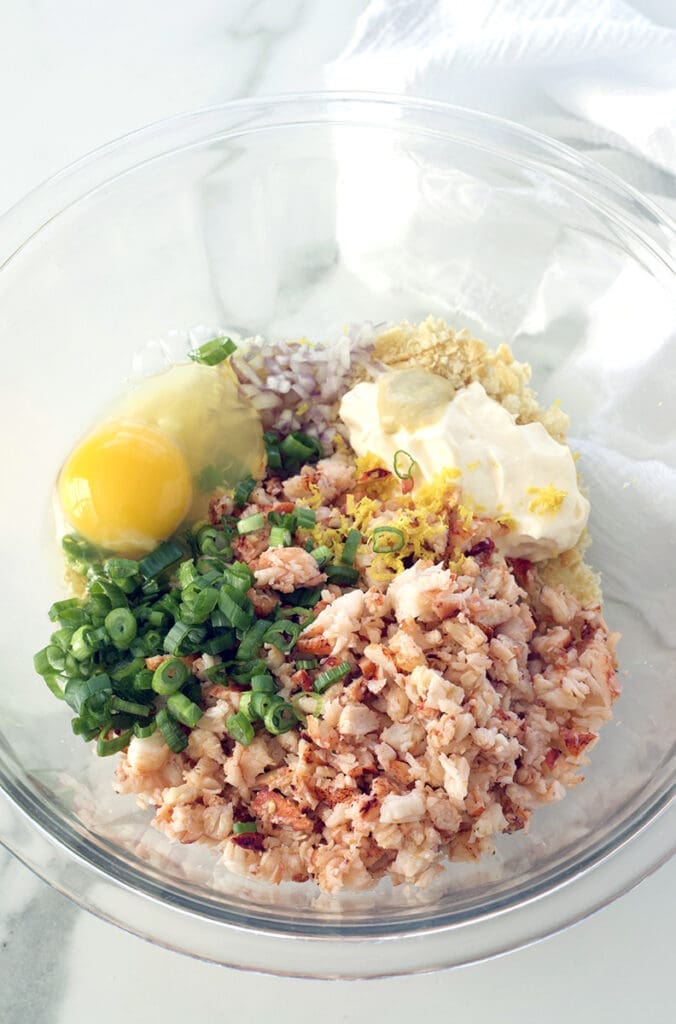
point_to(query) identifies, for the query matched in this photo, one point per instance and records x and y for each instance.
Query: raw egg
(157, 458)
(126, 487)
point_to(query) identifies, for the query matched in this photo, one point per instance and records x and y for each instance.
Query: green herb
(240, 728)
(243, 491)
(182, 708)
(352, 542)
(211, 353)
(280, 718)
(331, 676)
(160, 559)
(174, 737)
(170, 676)
(404, 464)
(251, 523)
(387, 539)
(343, 575)
(241, 827)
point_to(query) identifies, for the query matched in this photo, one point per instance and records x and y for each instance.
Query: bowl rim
(627, 206)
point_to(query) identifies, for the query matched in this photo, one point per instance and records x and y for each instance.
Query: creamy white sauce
(506, 469)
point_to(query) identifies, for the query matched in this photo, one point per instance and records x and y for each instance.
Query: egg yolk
(126, 487)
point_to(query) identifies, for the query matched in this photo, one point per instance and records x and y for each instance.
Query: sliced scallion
(321, 555)
(280, 718)
(160, 559)
(387, 539)
(331, 676)
(305, 518)
(105, 747)
(404, 464)
(121, 626)
(280, 537)
(185, 710)
(170, 676)
(211, 353)
(174, 737)
(243, 491)
(239, 828)
(251, 523)
(352, 542)
(240, 728)
(343, 575)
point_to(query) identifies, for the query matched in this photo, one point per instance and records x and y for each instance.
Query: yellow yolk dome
(126, 487)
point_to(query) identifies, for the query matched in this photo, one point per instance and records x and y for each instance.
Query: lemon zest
(547, 499)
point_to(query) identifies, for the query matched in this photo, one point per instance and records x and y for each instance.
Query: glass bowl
(292, 216)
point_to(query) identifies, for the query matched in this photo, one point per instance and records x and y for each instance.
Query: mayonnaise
(517, 472)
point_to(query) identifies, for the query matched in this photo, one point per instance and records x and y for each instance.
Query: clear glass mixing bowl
(292, 216)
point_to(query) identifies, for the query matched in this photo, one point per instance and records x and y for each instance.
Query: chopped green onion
(241, 827)
(240, 728)
(127, 669)
(143, 680)
(305, 518)
(331, 676)
(62, 637)
(283, 628)
(66, 611)
(306, 597)
(218, 674)
(381, 545)
(104, 747)
(83, 643)
(252, 641)
(170, 676)
(280, 718)
(322, 555)
(217, 644)
(243, 491)
(41, 662)
(245, 707)
(251, 523)
(184, 639)
(263, 683)
(204, 604)
(53, 681)
(261, 702)
(122, 627)
(80, 728)
(174, 737)
(187, 573)
(78, 691)
(159, 559)
(402, 468)
(235, 615)
(274, 456)
(153, 643)
(295, 450)
(280, 537)
(211, 353)
(131, 707)
(211, 541)
(142, 732)
(120, 568)
(182, 708)
(99, 587)
(343, 575)
(239, 576)
(307, 663)
(352, 542)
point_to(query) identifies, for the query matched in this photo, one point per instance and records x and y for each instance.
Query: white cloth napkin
(597, 74)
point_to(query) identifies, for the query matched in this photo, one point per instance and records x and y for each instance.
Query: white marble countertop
(74, 75)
